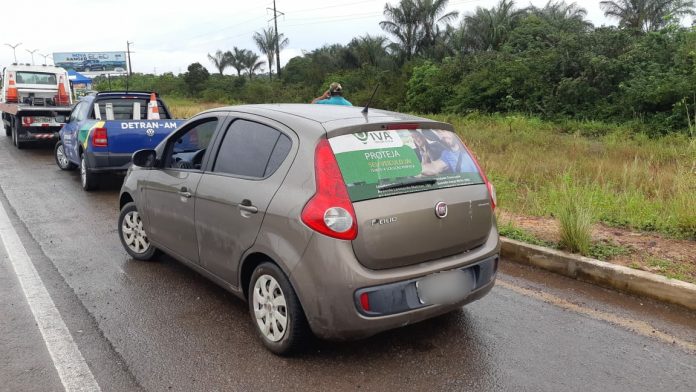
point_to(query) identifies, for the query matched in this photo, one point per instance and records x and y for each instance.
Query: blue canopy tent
(80, 83)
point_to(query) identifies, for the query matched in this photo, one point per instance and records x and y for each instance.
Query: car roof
(34, 68)
(331, 117)
(125, 93)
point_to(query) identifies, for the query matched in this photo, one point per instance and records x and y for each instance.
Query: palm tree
(488, 29)
(562, 14)
(403, 23)
(235, 59)
(646, 15)
(266, 42)
(252, 63)
(219, 60)
(431, 16)
(368, 49)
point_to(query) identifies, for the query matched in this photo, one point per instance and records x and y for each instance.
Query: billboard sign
(92, 63)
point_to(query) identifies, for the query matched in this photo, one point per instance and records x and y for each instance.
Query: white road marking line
(637, 326)
(67, 359)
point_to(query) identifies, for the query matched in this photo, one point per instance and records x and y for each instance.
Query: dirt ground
(647, 251)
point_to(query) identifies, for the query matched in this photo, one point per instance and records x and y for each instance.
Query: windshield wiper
(406, 184)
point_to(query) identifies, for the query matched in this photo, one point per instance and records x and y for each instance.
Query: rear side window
(123, 109)
(386, 163)
(250, 149)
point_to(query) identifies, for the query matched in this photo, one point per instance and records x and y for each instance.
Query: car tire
(132, 235)
(268, 282)
(61, 158)
(88, 180)
(15, 138)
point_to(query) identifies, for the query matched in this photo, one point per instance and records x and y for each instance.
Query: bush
(575, 219)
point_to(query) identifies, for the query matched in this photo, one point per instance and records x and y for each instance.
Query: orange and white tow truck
(35, 102)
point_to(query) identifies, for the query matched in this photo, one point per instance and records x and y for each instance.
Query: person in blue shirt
(332, 96)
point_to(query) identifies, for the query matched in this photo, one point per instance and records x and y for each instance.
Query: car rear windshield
(387, 163)
(123, 108)
(36, 78)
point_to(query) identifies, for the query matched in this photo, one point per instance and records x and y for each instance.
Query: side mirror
(144, 158)
(60, 119)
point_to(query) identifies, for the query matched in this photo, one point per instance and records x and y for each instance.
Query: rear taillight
(100, 137)
(329, 211)
(491, 188)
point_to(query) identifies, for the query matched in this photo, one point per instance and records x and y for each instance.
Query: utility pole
(277, 39)
(130, 68)
(14, 50)
(32, 54)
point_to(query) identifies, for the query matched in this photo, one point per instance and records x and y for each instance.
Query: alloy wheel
(60, 155)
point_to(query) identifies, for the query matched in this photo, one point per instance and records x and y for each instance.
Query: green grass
(629, 180)
(671, 269)
(511, 231)
(575, 218)
(185, 108)
(606, 251)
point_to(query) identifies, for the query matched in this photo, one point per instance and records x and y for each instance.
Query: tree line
(545, 61)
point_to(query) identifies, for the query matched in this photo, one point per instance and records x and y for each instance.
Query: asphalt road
(160, 326)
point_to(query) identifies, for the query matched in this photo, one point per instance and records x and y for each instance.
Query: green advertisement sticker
(385, 163)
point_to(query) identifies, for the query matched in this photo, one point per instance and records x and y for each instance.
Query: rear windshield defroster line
(390, 162)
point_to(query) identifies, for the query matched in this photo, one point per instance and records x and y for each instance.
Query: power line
(331, 6)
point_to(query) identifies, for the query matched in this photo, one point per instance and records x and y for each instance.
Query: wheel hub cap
(133, 233)
(270, 310)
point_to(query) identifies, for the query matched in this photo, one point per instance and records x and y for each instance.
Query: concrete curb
(601, 273)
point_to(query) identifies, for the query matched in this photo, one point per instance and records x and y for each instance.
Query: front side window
(76, 110)
(189, 147)
(83, 112)
(250, 149)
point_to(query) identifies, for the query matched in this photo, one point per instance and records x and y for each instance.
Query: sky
(167, 36)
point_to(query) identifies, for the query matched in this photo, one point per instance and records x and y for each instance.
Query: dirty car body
(376, 220)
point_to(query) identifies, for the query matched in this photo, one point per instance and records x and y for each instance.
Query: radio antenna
(364, 111)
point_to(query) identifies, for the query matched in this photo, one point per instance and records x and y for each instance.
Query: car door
(170, 192)
(69, 133)
(233, 196)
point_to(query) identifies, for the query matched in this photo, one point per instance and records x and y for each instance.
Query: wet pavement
(160, 326)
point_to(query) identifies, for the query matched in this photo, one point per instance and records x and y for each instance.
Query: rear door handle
(185, 193)
(246, 206)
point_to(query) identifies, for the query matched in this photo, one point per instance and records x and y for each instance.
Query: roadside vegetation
(587, 125)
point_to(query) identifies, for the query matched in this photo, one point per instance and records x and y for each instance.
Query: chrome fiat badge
(441, 209)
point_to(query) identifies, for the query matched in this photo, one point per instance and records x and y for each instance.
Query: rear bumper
(106, 162)
(38, 134)
(329, 280)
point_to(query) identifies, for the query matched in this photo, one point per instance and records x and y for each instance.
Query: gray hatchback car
(324, 218)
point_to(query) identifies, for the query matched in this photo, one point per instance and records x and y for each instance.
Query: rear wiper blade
(406, 184)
